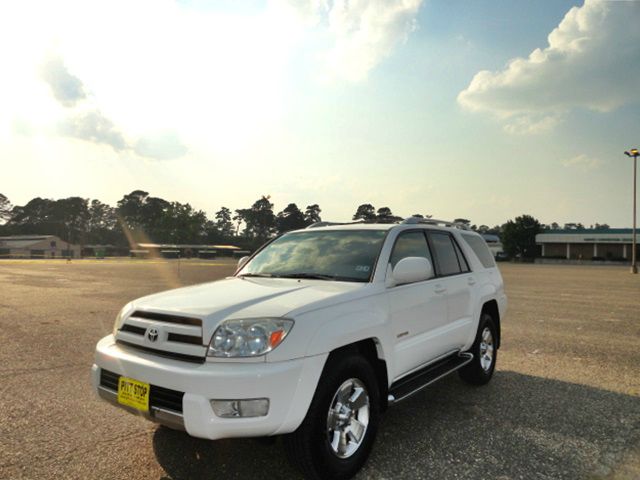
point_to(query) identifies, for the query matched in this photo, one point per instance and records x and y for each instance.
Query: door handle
(440, 289)
(471, 281)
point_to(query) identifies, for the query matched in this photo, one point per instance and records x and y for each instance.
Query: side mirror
(411, 269)
(242, 262)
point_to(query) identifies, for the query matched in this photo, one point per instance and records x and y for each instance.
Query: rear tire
(485, 353)
(337, 435)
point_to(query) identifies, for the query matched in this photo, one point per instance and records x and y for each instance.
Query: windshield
(348, 255)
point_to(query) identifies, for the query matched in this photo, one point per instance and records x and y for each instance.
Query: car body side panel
(419, 320)
(460, 306)
(489, 286)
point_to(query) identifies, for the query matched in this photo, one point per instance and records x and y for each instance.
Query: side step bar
(407, 386)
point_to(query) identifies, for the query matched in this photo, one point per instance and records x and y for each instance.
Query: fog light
(255, 407)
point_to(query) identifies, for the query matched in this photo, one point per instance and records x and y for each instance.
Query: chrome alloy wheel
(486, 349)
(348, 418)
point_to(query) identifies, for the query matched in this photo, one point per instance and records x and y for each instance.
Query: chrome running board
(412, 384)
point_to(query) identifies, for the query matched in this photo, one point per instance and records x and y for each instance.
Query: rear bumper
(288, 385)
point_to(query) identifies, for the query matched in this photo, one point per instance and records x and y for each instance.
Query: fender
(485, 293)
(324, 330)
(333, 327)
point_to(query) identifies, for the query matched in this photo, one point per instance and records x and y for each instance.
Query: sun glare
(216, 79)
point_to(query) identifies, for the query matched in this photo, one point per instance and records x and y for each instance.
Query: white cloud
(93, 126)
(582, 162)
(592, 61)
(175, 80)
(356, 34)
(89, 124)
(66, 87)
(531, 124)
(215, 80)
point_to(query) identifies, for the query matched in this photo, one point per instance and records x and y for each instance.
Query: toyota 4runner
(313, 338)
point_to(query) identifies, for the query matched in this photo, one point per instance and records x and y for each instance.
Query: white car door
(456, 278)
(417, 310)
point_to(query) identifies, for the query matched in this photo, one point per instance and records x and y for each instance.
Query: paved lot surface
(564, 403)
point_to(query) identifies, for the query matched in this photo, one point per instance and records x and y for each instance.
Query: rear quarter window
(481, 249)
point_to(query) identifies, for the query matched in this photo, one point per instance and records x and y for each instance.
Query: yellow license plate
(133, 393)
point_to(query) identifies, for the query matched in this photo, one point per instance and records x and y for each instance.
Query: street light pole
(633, 153)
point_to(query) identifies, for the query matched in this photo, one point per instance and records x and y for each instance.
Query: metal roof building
(184, 250)
(37, 246)
(494, 243)
(586, 244)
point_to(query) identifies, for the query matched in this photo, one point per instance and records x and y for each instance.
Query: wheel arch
(371, 349)
(491, 308)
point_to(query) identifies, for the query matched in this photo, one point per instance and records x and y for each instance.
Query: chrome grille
(177, 336)
(164, 317)
(133, 329)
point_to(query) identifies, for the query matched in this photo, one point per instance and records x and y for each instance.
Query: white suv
(314, 336)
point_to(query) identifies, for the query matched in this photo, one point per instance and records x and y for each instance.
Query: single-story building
(104, 250)
(37, 246)
(182, 250)
(494, 243)
(587, 244)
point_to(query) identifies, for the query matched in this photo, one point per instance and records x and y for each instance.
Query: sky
(483, 110)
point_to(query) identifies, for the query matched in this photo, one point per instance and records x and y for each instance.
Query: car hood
(237, 297)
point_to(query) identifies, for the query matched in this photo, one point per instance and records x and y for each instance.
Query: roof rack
(330, 224)
(406, 221)
(434, 221)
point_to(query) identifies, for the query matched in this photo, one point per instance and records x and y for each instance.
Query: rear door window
(445, 254)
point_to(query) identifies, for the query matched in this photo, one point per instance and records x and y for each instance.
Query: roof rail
(434, 221)
(329, 224)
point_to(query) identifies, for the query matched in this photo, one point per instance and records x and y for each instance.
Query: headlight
(120, 318)
(248, 337)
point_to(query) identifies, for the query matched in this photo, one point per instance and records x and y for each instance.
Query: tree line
(139, 217)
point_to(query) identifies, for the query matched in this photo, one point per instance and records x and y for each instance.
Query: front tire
(337, 435)
(485, 353)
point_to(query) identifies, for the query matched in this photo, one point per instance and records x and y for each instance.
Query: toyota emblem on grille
(152, 334)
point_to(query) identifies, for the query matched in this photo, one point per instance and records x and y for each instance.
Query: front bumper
(288, 385)
(168, 417)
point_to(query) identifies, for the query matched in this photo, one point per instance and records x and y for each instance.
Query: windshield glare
(347, 255)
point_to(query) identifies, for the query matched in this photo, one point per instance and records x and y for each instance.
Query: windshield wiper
(321, 276)
(303, 275)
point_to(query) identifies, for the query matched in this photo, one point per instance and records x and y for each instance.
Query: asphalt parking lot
(564, 403)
